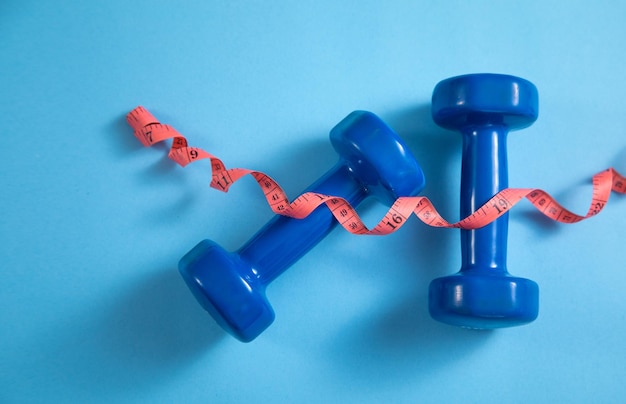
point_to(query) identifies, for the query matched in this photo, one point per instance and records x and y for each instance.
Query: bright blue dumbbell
(484, 107)
(231, 286)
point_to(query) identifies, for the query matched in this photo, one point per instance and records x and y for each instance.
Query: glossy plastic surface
(374, 161)
(484, 108)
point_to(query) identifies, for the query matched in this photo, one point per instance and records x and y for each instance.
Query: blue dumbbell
(484, 108)
(374, 161)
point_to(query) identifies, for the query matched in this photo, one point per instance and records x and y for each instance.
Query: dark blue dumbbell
(231, 286)
(484, 108)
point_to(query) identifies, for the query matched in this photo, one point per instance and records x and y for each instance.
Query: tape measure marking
(150, 131)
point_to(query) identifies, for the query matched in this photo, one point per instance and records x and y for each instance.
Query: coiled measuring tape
(150, 131)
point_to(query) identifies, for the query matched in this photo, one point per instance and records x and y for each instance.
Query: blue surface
(92, 308)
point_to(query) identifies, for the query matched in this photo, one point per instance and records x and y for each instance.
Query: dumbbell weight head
(482, 301)
(377, 157)
(485, 99)
(226, 287)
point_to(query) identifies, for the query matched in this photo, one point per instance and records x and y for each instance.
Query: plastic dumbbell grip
(483, 174)
(284, 240)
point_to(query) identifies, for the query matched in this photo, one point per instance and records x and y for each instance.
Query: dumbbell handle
(483, 174)
(284, 240)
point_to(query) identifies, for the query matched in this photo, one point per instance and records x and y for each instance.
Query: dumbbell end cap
(377, 156)
(483, 301)
(223, 285)
(485, 98)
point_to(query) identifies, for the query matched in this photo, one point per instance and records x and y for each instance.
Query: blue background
(92, 308)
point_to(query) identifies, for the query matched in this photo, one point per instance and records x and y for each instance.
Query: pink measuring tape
(150, 131)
